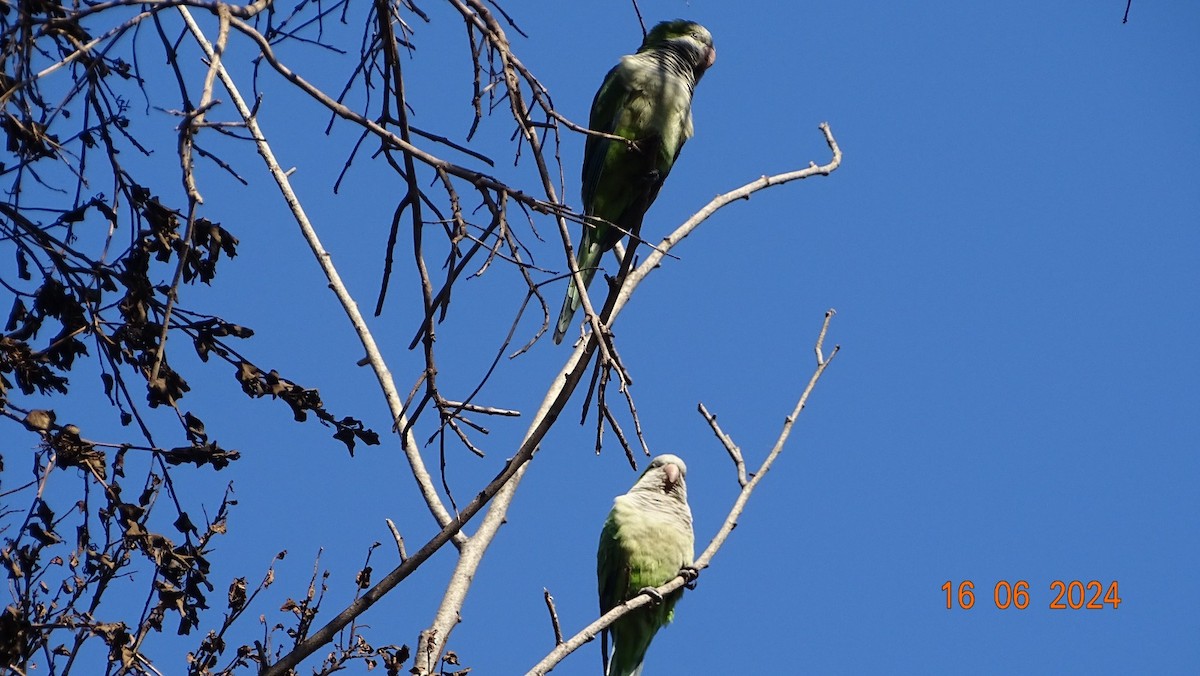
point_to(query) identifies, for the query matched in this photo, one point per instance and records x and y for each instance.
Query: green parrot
(646, 540)
(646, 98)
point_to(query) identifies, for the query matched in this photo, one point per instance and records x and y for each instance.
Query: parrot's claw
(653, 594)
(689, 574)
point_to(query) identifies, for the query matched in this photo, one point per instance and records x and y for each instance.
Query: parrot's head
(687, 38)
(665, 475)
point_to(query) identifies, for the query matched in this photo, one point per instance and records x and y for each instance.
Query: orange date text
(1072, 595)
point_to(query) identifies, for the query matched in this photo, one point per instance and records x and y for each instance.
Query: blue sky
(1011, 244)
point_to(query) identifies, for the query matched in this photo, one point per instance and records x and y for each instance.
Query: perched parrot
(646, 540)
(646, 98)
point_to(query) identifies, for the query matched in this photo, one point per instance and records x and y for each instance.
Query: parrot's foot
(653, 594)
(689, 574)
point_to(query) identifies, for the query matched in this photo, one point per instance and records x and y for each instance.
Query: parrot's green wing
(612, 576)
(605, 117)
(599, 235)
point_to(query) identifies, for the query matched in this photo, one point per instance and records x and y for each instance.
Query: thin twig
(641, 22)
(398, 538)
(735, 453)
(487, 410)
(616, 428)
(558, 637)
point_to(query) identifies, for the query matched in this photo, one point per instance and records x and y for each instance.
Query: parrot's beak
(712, 57)
(671, 473)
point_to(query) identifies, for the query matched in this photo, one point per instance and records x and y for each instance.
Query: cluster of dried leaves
(96, 269)
(100, 256)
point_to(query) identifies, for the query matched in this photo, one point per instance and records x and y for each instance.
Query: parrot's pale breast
(657, 540)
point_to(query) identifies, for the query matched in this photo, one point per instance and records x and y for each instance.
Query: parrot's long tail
(628, 654)
(587, 260)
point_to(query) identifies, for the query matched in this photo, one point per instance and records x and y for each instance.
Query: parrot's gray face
(666, 475)
(699, 44)
(688, 39)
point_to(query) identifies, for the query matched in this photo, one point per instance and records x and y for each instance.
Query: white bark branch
(382, 374)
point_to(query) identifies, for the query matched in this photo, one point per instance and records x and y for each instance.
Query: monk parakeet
(646, 540)
(646, 98)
